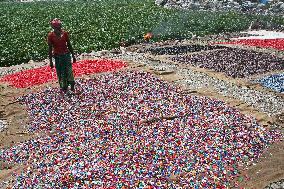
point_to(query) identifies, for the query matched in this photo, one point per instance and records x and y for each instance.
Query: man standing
(59, 47)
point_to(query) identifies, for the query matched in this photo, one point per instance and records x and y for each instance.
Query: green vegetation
(96, 25)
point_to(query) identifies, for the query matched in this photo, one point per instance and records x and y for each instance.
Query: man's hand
(51, 65)
(74, 58)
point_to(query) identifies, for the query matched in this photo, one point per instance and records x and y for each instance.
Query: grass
(97, 25)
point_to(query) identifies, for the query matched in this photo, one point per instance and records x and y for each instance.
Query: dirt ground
(269, 168)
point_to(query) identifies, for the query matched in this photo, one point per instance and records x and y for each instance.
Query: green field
(97, 25)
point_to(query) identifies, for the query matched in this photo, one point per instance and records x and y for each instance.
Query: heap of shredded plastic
(133, 130)
(274, 82)
(264, 43)
(234, 62)
(45, 74)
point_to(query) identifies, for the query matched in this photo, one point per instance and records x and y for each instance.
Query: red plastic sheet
(265, 43)
(45, 74)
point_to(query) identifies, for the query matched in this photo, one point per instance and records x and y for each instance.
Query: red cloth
(59, 44)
